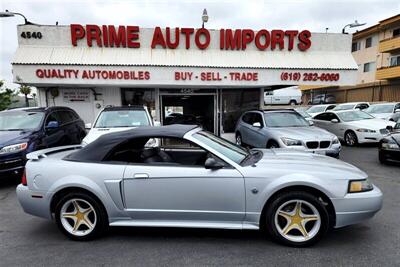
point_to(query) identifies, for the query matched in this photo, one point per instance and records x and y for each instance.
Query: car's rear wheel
(350, 138)
(297, 219)
(80, 216)
(293, 102)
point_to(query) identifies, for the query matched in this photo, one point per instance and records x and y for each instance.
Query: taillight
(23, 179)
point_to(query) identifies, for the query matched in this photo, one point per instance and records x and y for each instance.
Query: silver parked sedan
(194, 179)
(284, 128)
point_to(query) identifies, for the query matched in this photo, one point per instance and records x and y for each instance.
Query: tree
(25, 90)
(6, 96)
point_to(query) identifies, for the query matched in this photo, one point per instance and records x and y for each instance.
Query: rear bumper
(34, 203)
(357, 207)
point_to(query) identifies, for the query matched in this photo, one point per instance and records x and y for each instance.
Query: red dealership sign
(229, 39)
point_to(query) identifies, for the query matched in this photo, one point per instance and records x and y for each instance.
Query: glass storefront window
(140, 97)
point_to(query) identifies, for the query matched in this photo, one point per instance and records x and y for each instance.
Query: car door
(246, 129)
(179, 192)
(52, 136)
(336, 128)
(68, 128)
(256, 136)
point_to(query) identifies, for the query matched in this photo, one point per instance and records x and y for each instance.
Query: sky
(314, 15)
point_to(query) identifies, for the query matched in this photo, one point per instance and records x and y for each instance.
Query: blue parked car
(28, 129)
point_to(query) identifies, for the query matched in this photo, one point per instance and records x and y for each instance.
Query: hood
(95, 133)
(13, 137)
(307, 133)
(382, 115)
(288, 160)
(373, 124)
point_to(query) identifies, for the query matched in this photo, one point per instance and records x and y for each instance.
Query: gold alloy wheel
(297, 220)
(78, 217)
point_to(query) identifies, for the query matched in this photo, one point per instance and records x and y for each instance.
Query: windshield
(285, 119)
(228, 149)
(380, 108)
(316, 109)
(344, 107)
(303, 113)
(355, 115)
(20, 120)
(122, 118)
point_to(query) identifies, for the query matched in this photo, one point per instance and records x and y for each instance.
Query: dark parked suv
(28, 129)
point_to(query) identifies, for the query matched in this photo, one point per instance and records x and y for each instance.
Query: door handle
(141, 176)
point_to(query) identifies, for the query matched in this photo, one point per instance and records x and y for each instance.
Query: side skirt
(186, 224)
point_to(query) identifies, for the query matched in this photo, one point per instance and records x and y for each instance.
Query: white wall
(86, 110)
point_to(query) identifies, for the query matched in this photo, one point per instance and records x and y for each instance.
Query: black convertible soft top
(100, 148)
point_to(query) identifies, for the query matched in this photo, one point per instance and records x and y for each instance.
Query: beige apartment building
(377, 52)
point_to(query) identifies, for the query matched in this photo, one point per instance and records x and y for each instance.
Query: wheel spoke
(69, 215)
(285, 215)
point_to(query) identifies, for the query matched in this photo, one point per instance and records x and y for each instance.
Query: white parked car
(284, 96)
(352, 105)
(315, 110)
(353, 126)
(384, 110)
(117, 119)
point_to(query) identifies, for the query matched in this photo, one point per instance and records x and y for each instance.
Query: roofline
(377, 27)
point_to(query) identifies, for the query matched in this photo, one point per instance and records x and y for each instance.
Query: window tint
(330, 107)
(322, 117)
(257, 117)
(362, 106)
(52, 117)
(247, 118)
(64, 117)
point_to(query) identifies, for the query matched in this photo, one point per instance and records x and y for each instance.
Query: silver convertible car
(193, 179)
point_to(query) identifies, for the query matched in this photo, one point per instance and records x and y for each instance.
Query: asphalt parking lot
(27, 240)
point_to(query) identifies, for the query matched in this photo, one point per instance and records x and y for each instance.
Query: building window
(368, 42)
(355, 46)
(395, 61)
(396, 32)
(369, 66)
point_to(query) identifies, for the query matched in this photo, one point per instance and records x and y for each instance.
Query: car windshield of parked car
(122, 118)
(303, 113)
(20, 120)
(380, 108)
(355, 115)
(344, 107)
(316, 109)
(228, 149)
(285, 119)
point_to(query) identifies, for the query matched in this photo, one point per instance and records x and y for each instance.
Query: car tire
(89, 222)
(272, 144)
(308, 224)
(382, 158)
(238, 139)
(293, 102)
(350, 138)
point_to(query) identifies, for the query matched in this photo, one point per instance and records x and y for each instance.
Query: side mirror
(52, 125)
(157, 123)
(390, 128)
(334, 120)
(257, 124)
(88, 126)
(311, 123)
(213, 164)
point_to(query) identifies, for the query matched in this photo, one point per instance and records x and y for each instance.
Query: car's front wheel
(297, 219)
(239, 141)
(80, 216)
(350, 138)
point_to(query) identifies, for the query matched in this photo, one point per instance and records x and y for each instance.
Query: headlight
(390, 144)
(335, 140)
(362, 130)
(14, 148)
(291, 142)
(356, 186)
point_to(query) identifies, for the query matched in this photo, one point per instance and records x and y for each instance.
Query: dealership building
(212, 74)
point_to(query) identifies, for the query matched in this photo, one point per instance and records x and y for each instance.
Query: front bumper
(12, 165)
(333, 150)
(369, 137)
(34, 203)
(390, 154)
(357, 207)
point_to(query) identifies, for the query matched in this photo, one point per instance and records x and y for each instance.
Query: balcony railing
(386, 73)
(389, 45)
